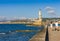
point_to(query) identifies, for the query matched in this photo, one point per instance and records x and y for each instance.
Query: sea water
(5, 35)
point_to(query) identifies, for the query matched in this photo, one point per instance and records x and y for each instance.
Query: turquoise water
(17, 36)
(54, 24)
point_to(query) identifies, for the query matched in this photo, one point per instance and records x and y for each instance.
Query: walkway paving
(53, 35)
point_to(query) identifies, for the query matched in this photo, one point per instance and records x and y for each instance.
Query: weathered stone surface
(53, 35)
(39, 36)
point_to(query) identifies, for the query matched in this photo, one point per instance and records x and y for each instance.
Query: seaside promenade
(47, 35)
(53, 35)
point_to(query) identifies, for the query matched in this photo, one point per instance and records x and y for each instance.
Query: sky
(11, 9)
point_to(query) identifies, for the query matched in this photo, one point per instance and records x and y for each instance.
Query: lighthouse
(39, 21)
(40, 15)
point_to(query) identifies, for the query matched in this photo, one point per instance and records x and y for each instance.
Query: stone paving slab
(53, 35)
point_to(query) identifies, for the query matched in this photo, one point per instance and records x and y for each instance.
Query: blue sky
(29, 8)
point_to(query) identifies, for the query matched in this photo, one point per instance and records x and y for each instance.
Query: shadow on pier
(47, 35)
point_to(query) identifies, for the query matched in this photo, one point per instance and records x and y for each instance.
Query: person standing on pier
(51, 25)
(56, 26)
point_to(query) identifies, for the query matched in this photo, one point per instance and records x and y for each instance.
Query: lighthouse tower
(40, 15)
(39, 21)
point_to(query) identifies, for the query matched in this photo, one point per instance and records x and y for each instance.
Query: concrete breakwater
(12, 22)
(47, 34)
(40, 36)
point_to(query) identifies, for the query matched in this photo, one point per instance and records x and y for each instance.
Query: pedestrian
(56, 26)
(51, 25)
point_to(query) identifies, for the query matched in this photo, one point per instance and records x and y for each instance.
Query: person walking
(51, 25)
(56, 26)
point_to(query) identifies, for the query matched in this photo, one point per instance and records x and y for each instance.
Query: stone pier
(53, 35)
(40, 36)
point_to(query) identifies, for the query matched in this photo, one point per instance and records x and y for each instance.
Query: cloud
(2, 18)
(50, 10)
(22, 17)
